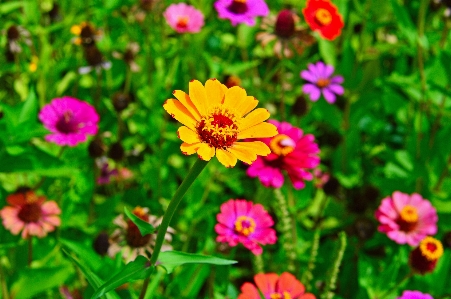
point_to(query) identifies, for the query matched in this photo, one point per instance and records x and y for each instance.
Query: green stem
(194, 172)
(396, 286)
(258, 263)
(308, 275)
(284, 215)
(30, 250)
(332, 280)
(3, 283)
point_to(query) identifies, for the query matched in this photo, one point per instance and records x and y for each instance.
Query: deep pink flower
(414, 295)
(291, 151)
(406, 218)
(70, 121)
(31, 214)
(241, 221)
(320, 80)
(184, 18)
(274, 287)
(241, 11)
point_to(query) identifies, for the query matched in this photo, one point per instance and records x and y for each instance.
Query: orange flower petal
(257, 147)
(205, 152)
(225, 158)
(262, 130)
(198, 95)
(187, 135)
(189, 149)
(215, 92)
(254, 118)
(180, 113)
(186, 101)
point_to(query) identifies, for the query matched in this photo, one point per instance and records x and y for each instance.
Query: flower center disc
(323, 82)
(408, 218)
(66, 123)
(219, 129)
(282, 145)
(323, 17)
(182, 22)
(238, 7)
(30, 212)
(244, 225)
(431, 248)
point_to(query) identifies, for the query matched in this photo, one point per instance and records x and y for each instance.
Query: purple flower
(241, 11)
(69, 120)
(414, 295)
(320, 79)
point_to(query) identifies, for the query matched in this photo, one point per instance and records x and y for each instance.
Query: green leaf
(92, 278)
(29, 109)
(35, 281)
(138, 269)
(327, 51)
(144, 227)
(171, 259)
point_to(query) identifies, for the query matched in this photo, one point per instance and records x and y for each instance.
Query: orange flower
(323, 16)
(215, 118)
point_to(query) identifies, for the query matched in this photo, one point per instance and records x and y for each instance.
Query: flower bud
(120, 101)
(285, 26)
(96, 148)
(101, 243)
(116, 151)
(423, 259)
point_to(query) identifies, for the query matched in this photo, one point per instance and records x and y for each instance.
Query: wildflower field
(277, 149)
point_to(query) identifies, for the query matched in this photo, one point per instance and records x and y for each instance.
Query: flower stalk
(332, 279)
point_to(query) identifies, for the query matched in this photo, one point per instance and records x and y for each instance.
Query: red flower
(423, 259)
(323, 16)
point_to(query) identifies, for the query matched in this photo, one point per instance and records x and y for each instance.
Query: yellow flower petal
(254, 118)
(205, 152)
(243, 154)
(198, 95)
(251, 103)
(186, 101)
(258, 147)
(234, 97)
(225, 158)
(180, 113)
(262, 130)
(189, 149)
(215, 92)
(187, 135)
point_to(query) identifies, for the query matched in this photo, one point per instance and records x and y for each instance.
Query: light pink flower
(291, 151)
(70, 121)
(184, 18)
(240, 221)
(407, 218)
(31, 214)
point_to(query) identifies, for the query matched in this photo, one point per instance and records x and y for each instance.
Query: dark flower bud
(447, 240)
(231, 81)
(285, 26)
(12, 33)
(146, 4)
(87, 35)
(116, 151)
(96, 148)
(423, 259)
(331, 187)
(300, 107)
(120, 101)
(54, 13)
(101, 243)
(9, 55)
(364, 228)
(93, 55)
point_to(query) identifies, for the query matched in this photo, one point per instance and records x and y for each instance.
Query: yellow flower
(215, 118)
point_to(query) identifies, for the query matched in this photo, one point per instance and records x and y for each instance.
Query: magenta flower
(414, 295)
(30, 214)
(406, 219)
(241, 11)
(320, 80)
(184, 18)
(291, 151)
(241, 221)
(70, 121)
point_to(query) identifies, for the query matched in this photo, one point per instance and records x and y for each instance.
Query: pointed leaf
(171, 259)
(138, 269)
(144, 227)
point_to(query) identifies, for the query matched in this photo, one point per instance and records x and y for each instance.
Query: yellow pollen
(431, 248)
(218, 130)
(282, 145)
(140, 212)
(286, 295)
(321, 83)
(323, 16)
(247, 229)
(240, 1)
(75, 29)
(31, 197)
(409, 214)
(182, 21)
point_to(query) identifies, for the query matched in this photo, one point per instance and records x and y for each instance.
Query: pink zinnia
(70, 121)
(407, 219)
(241, 11)
(241, 221)
(31, 214)
(414, 295)
(291, 151)
(273, 286)
(184, 18)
